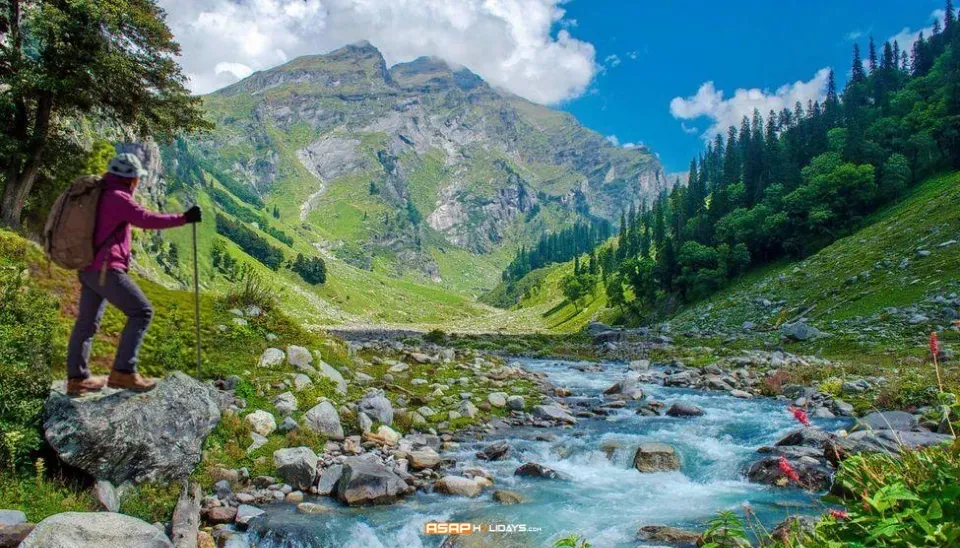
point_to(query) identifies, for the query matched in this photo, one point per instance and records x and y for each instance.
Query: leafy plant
(725, 529)
(572, 541)
(913, 500)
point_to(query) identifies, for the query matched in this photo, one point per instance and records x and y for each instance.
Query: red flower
(934, 344)
(839, 515)
(788, 470)
(800, 415)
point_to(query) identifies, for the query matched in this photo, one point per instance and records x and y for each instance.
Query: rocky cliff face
(416, 153)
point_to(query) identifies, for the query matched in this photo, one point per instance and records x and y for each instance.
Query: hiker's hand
(193, 214)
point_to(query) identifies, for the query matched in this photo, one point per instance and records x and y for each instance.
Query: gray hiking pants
(120, 291)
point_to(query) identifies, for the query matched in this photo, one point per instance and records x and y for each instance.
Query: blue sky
(668, 49)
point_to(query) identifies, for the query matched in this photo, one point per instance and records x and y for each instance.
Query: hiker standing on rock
(105, 280)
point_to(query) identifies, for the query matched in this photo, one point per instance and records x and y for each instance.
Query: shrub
(913, 500)
(251, 290)
(435, 336)
(28, 319)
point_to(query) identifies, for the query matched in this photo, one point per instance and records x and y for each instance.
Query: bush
(435, 336)
(251, 291)
(28, 319)
(913, 500)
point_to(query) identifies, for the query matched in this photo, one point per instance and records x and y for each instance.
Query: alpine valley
(420, 180)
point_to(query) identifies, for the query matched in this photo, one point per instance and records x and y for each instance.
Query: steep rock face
(395, 162)
(120, 436)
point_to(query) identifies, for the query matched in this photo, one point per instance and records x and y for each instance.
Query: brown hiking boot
(130, 381)
(82, 387)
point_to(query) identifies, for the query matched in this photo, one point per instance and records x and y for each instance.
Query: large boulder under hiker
(96, 241)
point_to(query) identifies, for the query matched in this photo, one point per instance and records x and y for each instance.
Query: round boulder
(656, 457)
(95, 530)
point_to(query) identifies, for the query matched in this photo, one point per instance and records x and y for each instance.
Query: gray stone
(888, 420)
(185, 526)
(424, 458)
(495, 451)
(813, 475)
(285, 403)
(12, 517)
(497, 399)
(271, 357)
(95, 530)
(365, 480)
(327, 370)
(468, 410)
(684, 410)
(245, 513)
(537, 470)
(301, 382)
(288, 425)
(516, 403)
(324, 419)
(376, 405)
(800, 331)
(261, 422)
(298, 356)
(296, 466)
(121, 436)
(106, 495)
(329, 479)
(366, 423)
(12, 535)
(656, 457)
(553, 413)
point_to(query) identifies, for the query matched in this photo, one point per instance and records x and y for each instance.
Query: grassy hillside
(881, 289)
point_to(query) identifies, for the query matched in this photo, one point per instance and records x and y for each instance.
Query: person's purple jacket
(117, 206)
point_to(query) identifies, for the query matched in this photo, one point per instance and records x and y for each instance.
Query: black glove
(193, 214)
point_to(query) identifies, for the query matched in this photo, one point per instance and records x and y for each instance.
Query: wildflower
(788, 470)
(839, 515)
(934, 345)
(800, 415)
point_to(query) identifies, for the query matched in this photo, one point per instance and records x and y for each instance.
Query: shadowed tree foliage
(111, 62)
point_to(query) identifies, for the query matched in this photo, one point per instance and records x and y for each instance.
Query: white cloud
(709, 102)
(613, 140)
(633, 55)
(612, 60)
(507, 42)
(692, 130)
(855, 35)
(906, 37)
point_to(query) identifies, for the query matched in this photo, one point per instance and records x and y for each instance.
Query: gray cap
(126, 165)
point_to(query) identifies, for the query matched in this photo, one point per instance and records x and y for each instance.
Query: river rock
(807, 437)
(328, 480)
(537, 470)
(495, 451)
(95, 530)
(497, 399)
(457, 485)
(668, 535)
(328, 371)
(298, 356)
(684, 410)
(814, 476)
(271, 357)
(376, 405)
(516, 403)
(219, 515)
(656, 457)
(365, 480)
(553, 413)
(468, 410)
(324, 419)
(121, 436)
(261, 422)
(888, 420)
(504, 496)
(423, 458)
(891, 441)
(311, 508)
(245, 513)
(297, 466)
(788, 528)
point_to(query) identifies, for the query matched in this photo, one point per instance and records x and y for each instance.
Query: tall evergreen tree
(857, 75)
(873, 56)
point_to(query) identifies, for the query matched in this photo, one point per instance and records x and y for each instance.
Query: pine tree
(857, 75)
(873, 56)
(949, 19)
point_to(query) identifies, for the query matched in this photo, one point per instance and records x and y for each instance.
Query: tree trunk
(20, 177)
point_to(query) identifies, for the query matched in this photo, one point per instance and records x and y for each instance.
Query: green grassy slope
(867, 290)
(883, 288)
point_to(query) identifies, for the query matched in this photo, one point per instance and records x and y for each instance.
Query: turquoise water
(606, 499)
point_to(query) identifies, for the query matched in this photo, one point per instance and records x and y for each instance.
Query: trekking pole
(196, 294)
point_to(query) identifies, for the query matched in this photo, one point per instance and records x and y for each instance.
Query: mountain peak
(427, 73)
